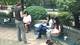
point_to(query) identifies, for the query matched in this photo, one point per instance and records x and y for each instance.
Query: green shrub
(37, 12)
(65, 18)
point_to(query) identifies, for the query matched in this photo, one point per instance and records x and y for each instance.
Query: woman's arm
(21, 14)
(59, 28)
(13, 14)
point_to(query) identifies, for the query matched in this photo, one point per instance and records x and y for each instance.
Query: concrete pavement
(8, 37)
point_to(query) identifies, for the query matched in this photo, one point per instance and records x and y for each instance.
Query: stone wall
(72, 33)
(38, 21)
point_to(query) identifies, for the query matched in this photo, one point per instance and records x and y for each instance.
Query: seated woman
(55, 31)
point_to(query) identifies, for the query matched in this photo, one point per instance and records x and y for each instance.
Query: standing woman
(27, 21)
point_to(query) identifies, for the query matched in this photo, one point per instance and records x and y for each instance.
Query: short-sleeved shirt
(17, 13)
(27, 19)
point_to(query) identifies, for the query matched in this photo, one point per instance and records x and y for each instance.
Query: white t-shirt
(50, 23)
(27, 19)
(55, 30)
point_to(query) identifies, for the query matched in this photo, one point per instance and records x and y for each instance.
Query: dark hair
(49, 17)
(25, 12)
(18, 4)
(57, 20)
(52, 17)
(57, 25)
(49, 42)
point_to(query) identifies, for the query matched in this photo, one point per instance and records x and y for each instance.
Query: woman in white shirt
(27, 21)
(50, 24)
(54, 29)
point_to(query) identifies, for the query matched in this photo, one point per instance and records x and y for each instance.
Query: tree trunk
(77, 21)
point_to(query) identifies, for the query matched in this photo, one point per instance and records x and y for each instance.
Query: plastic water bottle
(65, 37)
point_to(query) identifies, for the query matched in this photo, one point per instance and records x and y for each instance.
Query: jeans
(20, 30)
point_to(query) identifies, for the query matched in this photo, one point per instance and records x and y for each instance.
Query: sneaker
(25, 42)
(39, 38)
(20, 40)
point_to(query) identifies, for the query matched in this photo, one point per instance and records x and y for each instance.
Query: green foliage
(9, 2)
(75, 7)
(75, 10)
(66, 18)
(36, 12)
(64, 4)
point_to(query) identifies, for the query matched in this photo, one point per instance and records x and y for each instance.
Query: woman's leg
(48, 33)
(39, 35)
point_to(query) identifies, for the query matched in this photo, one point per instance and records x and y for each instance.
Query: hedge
(37, 12)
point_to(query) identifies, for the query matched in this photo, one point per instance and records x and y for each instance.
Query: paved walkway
(8, 37)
